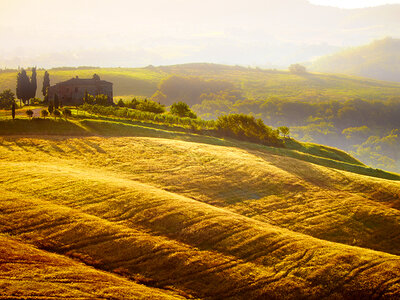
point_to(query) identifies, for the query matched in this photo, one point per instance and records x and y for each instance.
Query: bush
(150, 106)
(57, 114)
(44, 113)
(121, 103)
(247, 128)
(181, 109)
(7, 99)
(297, 69)
(29, 113)
(67, 113)
(284, 130)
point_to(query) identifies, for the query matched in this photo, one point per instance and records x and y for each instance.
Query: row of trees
(26, 87)
(53, 112)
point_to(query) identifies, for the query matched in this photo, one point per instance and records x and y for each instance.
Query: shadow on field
(38, 126)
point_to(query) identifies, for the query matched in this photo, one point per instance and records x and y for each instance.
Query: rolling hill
(251, 82)
(378, 60)
(176, 215)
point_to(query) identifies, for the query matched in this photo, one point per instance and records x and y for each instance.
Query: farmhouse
(72, 91)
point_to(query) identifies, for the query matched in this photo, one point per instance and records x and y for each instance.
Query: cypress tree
(23, 86)
(56, 103)
(13, 111)
(33, 85)
(86, 97)
(51, 107)
(46, 83)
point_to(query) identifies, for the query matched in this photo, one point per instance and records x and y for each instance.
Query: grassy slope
(207, 220)
(86, 126)
(253, 82)
(27, 272)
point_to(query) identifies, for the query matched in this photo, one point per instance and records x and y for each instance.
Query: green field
(254, 83)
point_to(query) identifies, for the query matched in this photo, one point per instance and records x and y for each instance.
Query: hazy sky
(354, 3)
(140, 32)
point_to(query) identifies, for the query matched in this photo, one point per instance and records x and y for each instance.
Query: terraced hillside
(190, 219)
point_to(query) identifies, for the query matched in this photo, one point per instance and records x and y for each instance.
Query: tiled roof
(85, 81)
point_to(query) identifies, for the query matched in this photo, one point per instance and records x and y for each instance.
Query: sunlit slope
(173, 242)
(252, 82)
(325, 203)
(29, 273)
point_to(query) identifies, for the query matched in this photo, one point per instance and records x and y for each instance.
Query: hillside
(181, 215)
(379, 60)
(252, 83)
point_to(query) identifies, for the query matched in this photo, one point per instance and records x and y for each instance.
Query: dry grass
(203, 220)
(27, 272)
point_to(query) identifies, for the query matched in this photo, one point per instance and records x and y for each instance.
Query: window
(76, 90)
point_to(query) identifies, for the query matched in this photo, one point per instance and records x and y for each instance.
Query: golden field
(151, 217)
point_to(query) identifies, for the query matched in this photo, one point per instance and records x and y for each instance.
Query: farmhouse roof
(83, 81)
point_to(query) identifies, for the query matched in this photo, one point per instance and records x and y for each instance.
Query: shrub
(181, 109)
(247, 128)
(297, 69)
(101, 100)
(29, 113)
(121, 103)
(7, 98)
(284, 130)
(57, 114)
(50, 108)
(44, 113)
(150, 106)
(67, 113)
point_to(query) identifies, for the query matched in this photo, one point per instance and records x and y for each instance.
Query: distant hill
(251, 82)
(378, 60)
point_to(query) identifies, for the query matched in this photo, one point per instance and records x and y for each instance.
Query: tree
(13, 111)
(151, 106)
(29, 113)
(23, 86)
(101, 100)
(121, 103)
(88, 99)
(33, 84)
(56, 114)
(7, 98)
(247, 128)
(46, 84)
(284, 130)
(50, 108)
(44, 113)
(181, 109)
(56, 102)
(67, 113)
(297, 69)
